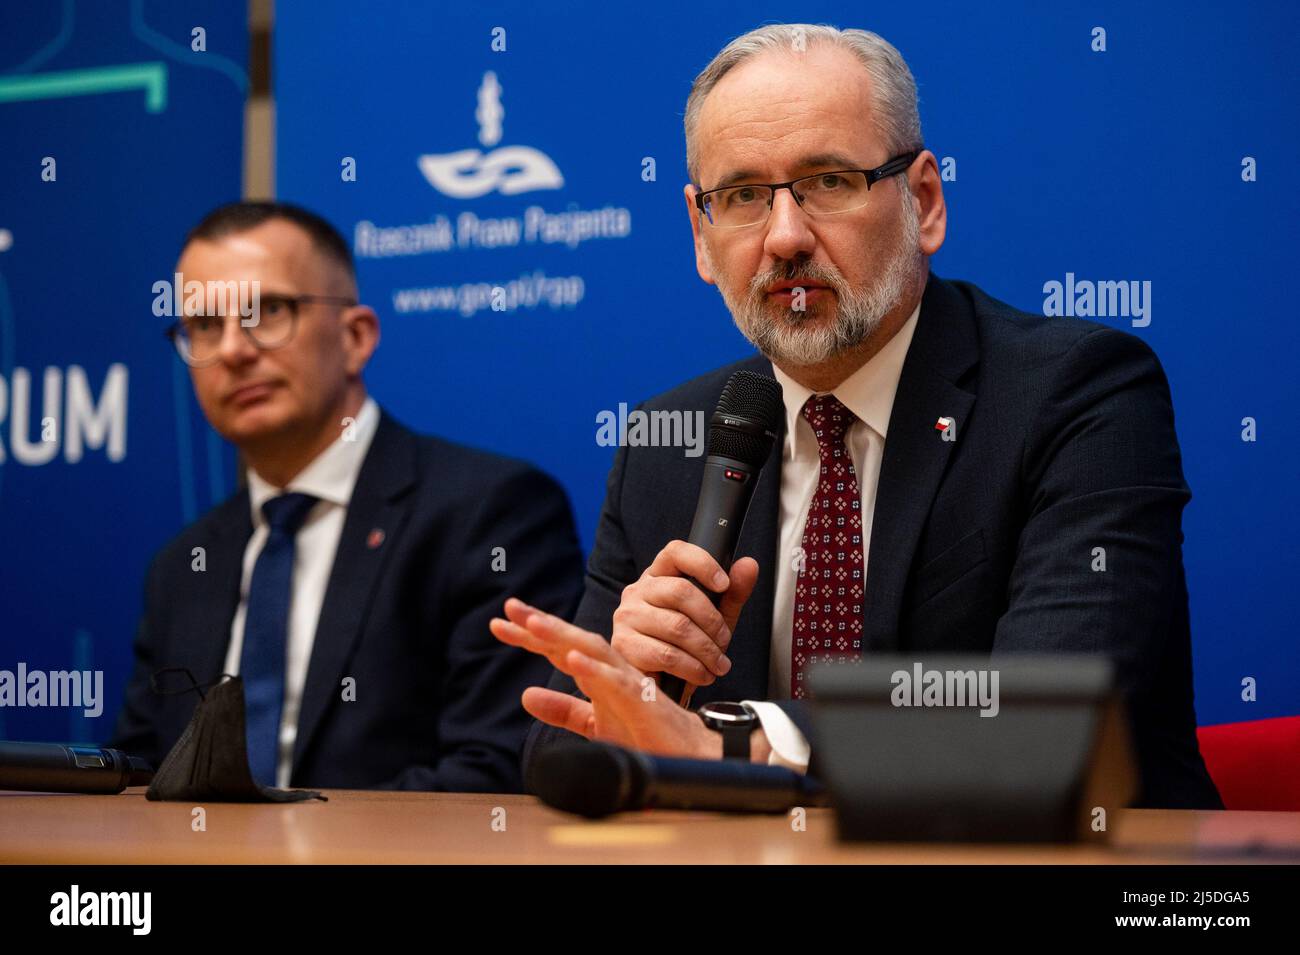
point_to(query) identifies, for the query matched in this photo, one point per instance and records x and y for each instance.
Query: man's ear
(360, 336)
(701, 257)
(927, 192)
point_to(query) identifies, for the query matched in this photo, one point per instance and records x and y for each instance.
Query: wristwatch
(735, 721)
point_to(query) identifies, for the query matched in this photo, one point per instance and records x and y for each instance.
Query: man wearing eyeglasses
(350, 584)
(947, 470)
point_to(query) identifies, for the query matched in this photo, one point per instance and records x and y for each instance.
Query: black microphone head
(745, 424)
(589, 779)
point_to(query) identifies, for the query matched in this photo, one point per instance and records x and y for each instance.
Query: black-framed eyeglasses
(821, 194)
(197, 338)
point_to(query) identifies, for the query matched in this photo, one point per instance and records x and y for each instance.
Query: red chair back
(1256, 765)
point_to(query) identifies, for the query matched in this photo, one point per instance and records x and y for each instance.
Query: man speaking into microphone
(945, 465)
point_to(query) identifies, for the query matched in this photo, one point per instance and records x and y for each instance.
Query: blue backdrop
(1128, 164)
(145, 134)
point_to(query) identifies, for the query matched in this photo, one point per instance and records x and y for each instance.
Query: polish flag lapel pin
(943, 424)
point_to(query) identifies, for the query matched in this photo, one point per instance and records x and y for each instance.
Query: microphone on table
(69, 768)
(741, 434)
(597, 779)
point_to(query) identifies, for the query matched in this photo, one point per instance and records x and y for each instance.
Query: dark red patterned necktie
(829, 587)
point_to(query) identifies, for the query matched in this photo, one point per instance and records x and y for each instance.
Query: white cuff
(789, 747)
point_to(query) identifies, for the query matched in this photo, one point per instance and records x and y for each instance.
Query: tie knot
(287, 512)
(829, 419)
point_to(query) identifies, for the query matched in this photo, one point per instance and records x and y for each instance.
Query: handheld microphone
(69, 768)
(597, 779)
(741, 434)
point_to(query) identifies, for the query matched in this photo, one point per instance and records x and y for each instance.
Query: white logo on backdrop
(510, 170)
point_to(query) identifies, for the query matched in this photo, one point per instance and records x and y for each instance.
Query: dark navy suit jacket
(437, 696)
(1065, 442)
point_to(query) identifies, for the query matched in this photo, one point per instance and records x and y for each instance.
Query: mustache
(794, 270)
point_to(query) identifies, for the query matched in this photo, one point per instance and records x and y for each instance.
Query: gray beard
(787, 337)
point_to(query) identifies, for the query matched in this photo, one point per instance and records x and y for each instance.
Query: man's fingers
(680, 595)
(517, 611)
(675, 629)
(599, 681)
(517, 636)
(654, 656)
(509, 632)
(680, 558)
(614, 689)
(744, 575)
(560, 709)
(552, 634)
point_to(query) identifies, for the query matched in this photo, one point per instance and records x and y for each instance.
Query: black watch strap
(735, 742)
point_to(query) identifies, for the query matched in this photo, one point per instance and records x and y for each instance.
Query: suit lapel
(203, 645)
(376, 514)
(198, 633)
(944, 346)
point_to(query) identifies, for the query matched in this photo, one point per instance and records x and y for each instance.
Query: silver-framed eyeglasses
(197, 338)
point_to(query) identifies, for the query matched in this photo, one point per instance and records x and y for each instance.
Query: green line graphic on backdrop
(150, 77)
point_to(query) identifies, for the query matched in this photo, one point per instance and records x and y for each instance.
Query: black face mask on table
(209, 763)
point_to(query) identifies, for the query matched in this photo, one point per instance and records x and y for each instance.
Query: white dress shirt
(869, 394)
(330, 476)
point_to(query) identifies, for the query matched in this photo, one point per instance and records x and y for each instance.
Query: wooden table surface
(398, 827)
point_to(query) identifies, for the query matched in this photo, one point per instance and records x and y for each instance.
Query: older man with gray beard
(947, 465)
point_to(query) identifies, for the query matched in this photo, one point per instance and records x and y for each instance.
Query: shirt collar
(868, 392)
(331, 475)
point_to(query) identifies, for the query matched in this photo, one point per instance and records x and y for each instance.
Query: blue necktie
(266, 630)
